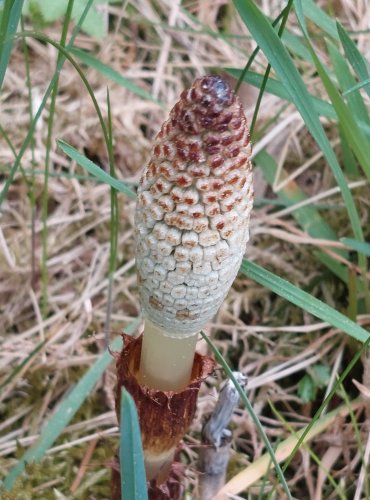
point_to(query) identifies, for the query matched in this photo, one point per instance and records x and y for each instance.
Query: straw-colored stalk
(174, 355)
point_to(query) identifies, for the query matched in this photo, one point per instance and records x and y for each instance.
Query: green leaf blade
(278, 57)
(133, 478)
(359, 246)
(112, 74)
(304, 300)
(11, 14)
(354, 57)
(66, 410)
(94, 169)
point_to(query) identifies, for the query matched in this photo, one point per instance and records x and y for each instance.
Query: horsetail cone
(193, 207)
(192, 220)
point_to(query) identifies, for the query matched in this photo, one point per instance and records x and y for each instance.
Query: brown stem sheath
(164, 416)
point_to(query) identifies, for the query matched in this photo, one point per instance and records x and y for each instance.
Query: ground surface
(276, 344)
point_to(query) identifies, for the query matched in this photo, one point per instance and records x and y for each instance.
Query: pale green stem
(166, 358)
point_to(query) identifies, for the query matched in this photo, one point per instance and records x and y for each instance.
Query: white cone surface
(193, 208)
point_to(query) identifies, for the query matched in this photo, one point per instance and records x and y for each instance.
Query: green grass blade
(295, 45)
(11, 13)
(354, 137)
(356, 358)
(45, 191)
(346, 80)
(289, 76)
(66, 410)
(114, 223)
(359, 246)
(24, 363)
(319, 17)
(112, 74)
(307, 217)
(364, 84)
(349, 162)
(355, 58)
(94, 169)
(30, 134)
(359, 143)
(275, 87)
(249, 407)
(303, 300)
(284, 18)
(131, 458)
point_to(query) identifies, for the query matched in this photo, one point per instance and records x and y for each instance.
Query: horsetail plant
(192, 224)
(192, 220)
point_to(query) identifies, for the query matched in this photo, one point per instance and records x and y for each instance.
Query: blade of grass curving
(268, 69)
(254, 472)
(280, 60)
(354, 135)
(345, 80)
(248, 406)
(254, 54)
(46, 39)
(94, 169)
(45, 192)
(113, 224)
(113, 75)
(319, 17)
(359, 246)
(308, 217)
(31, 129)
(364, 84)
(275, 87)
(303, 300)
(327, 399)
(313, 455)
(67, 409)
(354, 57)
(66, 175)
(11, 13)
(24, 363)
(131, 457)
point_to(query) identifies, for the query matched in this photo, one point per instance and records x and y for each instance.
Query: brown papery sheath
(164, 416)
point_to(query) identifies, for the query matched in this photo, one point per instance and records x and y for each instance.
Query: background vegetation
(100, 77)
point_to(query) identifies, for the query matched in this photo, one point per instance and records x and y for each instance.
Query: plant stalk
(166, 360)
(164, 416)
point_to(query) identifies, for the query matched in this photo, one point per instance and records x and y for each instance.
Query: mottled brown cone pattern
(193, 208)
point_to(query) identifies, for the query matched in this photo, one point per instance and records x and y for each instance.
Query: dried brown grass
(273, 343)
